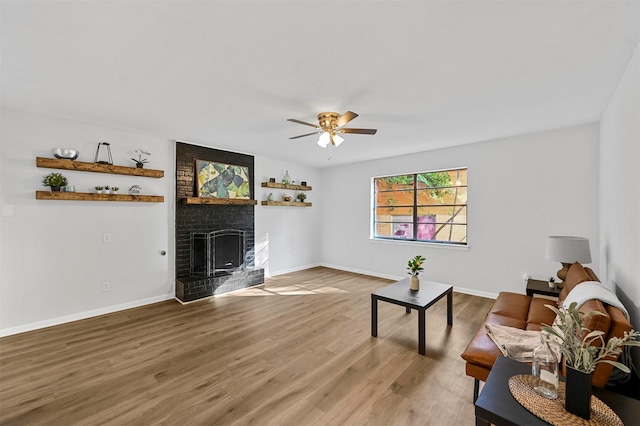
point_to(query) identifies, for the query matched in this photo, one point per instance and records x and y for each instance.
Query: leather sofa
(529, 313)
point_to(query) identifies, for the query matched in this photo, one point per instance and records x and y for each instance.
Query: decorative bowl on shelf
(65, 154)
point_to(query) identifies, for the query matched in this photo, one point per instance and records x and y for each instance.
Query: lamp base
(562, 273)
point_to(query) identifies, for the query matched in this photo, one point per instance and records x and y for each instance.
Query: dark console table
(496, 405)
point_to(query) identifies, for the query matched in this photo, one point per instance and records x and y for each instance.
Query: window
(427, 206)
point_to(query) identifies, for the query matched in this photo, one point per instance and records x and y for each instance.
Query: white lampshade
(337, 140)
(568, 249)
(324, 140)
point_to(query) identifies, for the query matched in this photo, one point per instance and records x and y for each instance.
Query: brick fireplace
(205, 219)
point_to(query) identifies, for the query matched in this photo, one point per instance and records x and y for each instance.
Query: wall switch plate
(106, 286)
(106, 238)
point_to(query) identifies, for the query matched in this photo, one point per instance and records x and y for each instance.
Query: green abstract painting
(218, 180)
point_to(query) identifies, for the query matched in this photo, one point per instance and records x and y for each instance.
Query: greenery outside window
(426, 206)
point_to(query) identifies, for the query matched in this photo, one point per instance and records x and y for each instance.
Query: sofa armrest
(619, 325)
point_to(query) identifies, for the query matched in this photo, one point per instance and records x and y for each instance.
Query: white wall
(521, 189)
(52, 258)
(287, 238)
(620, 193)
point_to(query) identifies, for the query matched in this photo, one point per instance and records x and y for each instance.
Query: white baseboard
(83, 315)
(361, 271)
(457, 289)
(110, 309)
(290, 270)
(473, 292)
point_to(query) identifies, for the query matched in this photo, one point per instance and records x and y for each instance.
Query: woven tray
(552, 410)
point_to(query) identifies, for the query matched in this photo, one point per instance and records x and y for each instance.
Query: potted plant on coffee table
(54, 181)
(415, 267)
(583, 349)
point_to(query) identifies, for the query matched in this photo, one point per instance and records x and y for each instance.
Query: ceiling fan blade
(359, 131)
(302, 136)
(345, 118)
(293, 120)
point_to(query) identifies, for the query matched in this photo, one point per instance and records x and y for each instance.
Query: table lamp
(567, 250)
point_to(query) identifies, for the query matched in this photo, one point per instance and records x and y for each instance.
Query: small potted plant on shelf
(552, 282)
(583, 349)
(107, 190)
(140, 162)
(302, 196)
(54, 181)
(99, 189)
(114, 189)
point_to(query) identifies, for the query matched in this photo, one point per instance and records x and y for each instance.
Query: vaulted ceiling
(228, 74)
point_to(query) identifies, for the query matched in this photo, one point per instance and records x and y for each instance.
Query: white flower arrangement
(141, 161)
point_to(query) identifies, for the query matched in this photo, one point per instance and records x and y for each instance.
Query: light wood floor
(297, 351)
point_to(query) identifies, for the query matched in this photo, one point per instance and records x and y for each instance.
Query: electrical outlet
(106, 286)
(106, 238)
(525, 278)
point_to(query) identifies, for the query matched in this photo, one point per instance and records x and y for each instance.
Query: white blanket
(593, 290)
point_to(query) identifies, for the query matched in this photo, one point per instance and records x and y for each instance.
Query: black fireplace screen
(217, 251)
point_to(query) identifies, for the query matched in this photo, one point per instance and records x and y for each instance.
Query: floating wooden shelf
(85, 196)
(54, 163)
(286, 203)
(285, 186)
(223, 201)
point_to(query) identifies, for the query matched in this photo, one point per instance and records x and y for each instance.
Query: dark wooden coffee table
(497, 406)
(400, 294)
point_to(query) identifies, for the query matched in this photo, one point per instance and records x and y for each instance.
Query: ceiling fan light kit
(329, 125)
(323, 141)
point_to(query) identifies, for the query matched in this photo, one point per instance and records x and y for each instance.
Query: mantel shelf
(286, 203)
(54, 163)
(223, 201)
(85, 196)
(285, 186)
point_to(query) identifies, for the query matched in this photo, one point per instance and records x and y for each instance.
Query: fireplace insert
(217, 251)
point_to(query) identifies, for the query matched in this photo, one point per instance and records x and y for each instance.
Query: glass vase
(544, 368)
